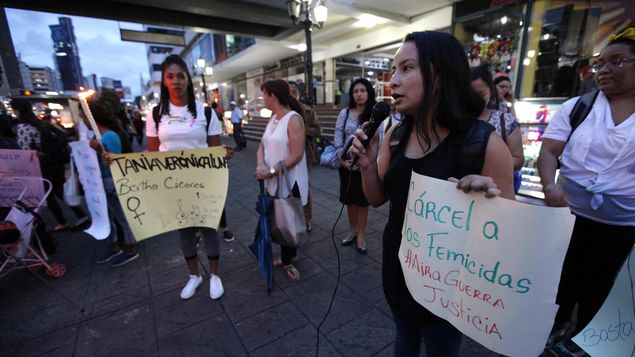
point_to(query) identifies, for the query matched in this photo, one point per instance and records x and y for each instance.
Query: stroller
(21, 247)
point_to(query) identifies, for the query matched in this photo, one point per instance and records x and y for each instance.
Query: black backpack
(54, 144)
(157, 117)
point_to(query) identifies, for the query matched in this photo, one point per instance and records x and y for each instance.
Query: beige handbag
(288, 226)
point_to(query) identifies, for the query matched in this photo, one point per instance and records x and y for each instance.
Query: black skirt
(355, 194)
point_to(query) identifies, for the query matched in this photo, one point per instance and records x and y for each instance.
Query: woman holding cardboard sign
(180, 124)
(431, 87)
(596, 182)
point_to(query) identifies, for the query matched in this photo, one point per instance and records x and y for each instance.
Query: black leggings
(596, 253)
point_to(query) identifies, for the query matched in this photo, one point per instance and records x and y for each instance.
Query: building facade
(10, 78)
(67, 54)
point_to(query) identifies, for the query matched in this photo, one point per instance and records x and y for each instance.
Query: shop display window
(492, 37)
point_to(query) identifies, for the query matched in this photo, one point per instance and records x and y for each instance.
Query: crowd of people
(440, 104)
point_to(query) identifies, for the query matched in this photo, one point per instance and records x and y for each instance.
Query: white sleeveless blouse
(275, 141)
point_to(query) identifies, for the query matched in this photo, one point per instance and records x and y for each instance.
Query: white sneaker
(215, 287)
(190, 288)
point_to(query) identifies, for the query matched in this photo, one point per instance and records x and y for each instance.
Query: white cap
(233, 102)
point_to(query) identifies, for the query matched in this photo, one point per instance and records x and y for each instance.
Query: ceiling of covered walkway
(266, 20)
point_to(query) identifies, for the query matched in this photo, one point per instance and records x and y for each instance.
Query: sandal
(292, 273)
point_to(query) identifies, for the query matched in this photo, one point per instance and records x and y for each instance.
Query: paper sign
(490, 267)
(13, 165)
(612, 330)
(165, 191)
(90, 177)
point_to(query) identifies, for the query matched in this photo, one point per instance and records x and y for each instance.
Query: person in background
(596, 182)
(505, 123)
(111, 144)
(138, 124)
(431, 87)
(360, 106)
(505, 93)
(182, 126)
(220, 117)
(312, 132)
(237, 123)
(29, 138)
(282, 143)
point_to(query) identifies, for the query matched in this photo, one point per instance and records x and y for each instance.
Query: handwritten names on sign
(164, 191)
(612, 330)
(13, 165)
(490, 267)
(90, 178)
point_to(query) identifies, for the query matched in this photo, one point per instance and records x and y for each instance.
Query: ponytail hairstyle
(164, 100)
(280, 88)
(370, 103)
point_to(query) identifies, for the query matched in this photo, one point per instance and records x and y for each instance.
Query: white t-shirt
(599, 155)
(180, 131)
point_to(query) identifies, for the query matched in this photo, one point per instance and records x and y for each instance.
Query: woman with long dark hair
(505, 123)
(431, 87)
(181, 126)
(360, 106)
(29, 138)
(282, 147)
(109, 127)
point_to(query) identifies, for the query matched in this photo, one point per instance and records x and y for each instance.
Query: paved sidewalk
(135, 310)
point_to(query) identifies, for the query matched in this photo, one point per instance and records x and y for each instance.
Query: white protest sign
(90, 178)
(490, 267)
(13, 165)
(164, 191)
(612, 330)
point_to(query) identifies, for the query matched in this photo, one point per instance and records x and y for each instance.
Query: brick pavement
(135, 310)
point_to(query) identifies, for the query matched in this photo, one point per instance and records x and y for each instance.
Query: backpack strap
(503, 128)
(473, 151)
(581, 110)
(208, 116)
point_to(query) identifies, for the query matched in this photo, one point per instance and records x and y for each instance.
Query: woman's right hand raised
(365, 155)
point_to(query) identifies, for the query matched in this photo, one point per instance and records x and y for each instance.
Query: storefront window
(492, 36)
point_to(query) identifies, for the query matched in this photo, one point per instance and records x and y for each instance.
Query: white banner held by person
(90, 178)
(164, 191)
(490, 267)
(13, 165)
(611, 333)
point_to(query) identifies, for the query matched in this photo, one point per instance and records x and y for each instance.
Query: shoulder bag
(288, 226)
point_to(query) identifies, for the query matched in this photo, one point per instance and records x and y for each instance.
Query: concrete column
(329, 80)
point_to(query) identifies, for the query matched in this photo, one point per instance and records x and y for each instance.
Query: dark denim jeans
(439, 340)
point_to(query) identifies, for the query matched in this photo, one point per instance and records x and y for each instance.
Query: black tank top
(446, 160)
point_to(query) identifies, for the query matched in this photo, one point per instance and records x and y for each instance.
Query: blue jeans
(440, 340)
(116, 214)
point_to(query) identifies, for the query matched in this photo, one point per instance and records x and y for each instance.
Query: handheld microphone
(381, 110)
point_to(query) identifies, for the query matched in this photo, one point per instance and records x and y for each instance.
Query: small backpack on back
(54, 144)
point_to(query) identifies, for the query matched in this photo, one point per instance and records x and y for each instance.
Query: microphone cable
(339, 263)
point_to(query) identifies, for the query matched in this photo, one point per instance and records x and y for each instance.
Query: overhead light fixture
(368, 21)
(504, 20)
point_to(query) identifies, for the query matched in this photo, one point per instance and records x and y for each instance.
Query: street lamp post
(204, 70)
(301, 12)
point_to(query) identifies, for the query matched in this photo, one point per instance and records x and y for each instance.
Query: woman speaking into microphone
(431, 87)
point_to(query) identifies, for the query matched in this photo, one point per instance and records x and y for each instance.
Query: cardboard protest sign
(612, 330)
(13, 165)
(490, 267)
(165, 191)
(90, 178)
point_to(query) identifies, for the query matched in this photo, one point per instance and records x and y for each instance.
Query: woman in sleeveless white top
(276, 148)
(283, 141)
